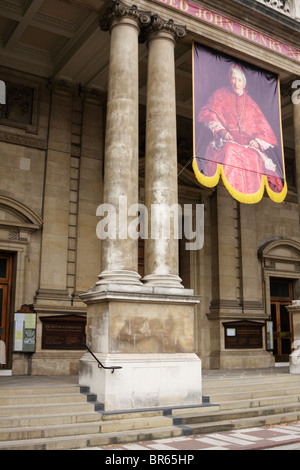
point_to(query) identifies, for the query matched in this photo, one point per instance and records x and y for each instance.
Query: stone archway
(281, 273)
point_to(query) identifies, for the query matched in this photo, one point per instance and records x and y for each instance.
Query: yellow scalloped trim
(212, 181)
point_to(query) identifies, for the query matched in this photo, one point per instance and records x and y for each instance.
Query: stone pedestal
(145, 329)
(148, 332)
(295, 356)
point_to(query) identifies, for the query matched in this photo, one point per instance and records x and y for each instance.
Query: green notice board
(24, 332)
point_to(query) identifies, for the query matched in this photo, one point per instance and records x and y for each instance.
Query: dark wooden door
(281, 297)
(5, 296)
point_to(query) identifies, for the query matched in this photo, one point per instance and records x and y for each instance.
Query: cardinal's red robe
(243, 166)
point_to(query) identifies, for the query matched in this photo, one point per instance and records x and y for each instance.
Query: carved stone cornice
(23, 140)
(76, 90)
(119, 10)
(62, 87)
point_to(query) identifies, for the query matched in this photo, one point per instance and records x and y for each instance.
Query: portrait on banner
(237, 127)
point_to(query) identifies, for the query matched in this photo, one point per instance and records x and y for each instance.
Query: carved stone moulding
(160, 24)
(119, 10)
(278, 4)
(148, 22)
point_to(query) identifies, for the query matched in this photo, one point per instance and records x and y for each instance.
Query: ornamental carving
(19, 104)
(148, 22)
(282, 5)
(120, 10)
(159, 24)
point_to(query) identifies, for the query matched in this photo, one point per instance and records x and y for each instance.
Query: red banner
(237, 127)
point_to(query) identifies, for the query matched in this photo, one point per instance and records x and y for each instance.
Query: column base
(119, 277)
(163, 280)
(145, 380)
(295, 362)
(149, 332)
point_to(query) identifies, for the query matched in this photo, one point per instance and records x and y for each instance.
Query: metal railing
(100, 365)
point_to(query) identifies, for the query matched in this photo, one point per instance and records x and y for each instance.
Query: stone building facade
(99, 105)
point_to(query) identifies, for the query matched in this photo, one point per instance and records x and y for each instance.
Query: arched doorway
(281, 268)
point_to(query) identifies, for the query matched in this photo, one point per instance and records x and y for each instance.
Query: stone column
(295, 307)
(119, 251)
(295, 356)
(161, 247)
(147, 331)
(296, 111)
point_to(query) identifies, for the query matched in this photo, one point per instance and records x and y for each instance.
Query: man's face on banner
(237, 81)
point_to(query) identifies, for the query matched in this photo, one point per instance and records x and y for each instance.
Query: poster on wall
(24, 332)
(237, 127)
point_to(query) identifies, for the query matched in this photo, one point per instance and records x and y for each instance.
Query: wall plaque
(243, 335)
(63, 332)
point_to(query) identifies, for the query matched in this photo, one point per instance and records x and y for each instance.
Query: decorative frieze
(23, 140)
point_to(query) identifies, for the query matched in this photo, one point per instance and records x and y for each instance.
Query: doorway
(5, 302)
(281, 296)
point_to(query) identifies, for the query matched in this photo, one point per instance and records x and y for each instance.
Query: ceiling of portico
(62, 39)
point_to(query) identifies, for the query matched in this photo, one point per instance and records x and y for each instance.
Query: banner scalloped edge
(212, 181)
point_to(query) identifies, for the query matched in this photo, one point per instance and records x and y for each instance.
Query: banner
(237, 127)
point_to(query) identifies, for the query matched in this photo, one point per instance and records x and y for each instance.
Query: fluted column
(296, 110)
(120, 251)
(161, 195)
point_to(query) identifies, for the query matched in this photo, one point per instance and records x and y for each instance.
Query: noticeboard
(24, 332)
(243, 335)
(64, 332)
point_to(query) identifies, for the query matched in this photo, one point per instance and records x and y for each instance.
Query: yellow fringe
(212, 181)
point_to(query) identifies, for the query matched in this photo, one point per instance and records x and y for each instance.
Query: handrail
(100, 364)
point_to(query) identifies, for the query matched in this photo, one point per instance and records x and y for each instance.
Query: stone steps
(259, 402)
(50, 418)
(98, 427)
(21, 410)
(92, 440)
(243, 423)
(251, 394)
(211, 386)
(42, 400)
(29, 391)
(103, 439)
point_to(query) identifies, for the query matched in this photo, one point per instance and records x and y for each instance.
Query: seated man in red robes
(241, 136)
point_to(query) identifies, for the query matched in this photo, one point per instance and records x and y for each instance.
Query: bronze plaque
(243, 335)
(63, 332)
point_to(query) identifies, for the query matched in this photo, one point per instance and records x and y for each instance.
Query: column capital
(159, 25)
(121, 10)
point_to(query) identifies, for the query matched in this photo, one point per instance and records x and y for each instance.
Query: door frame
(7, 284)
(278, 334)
